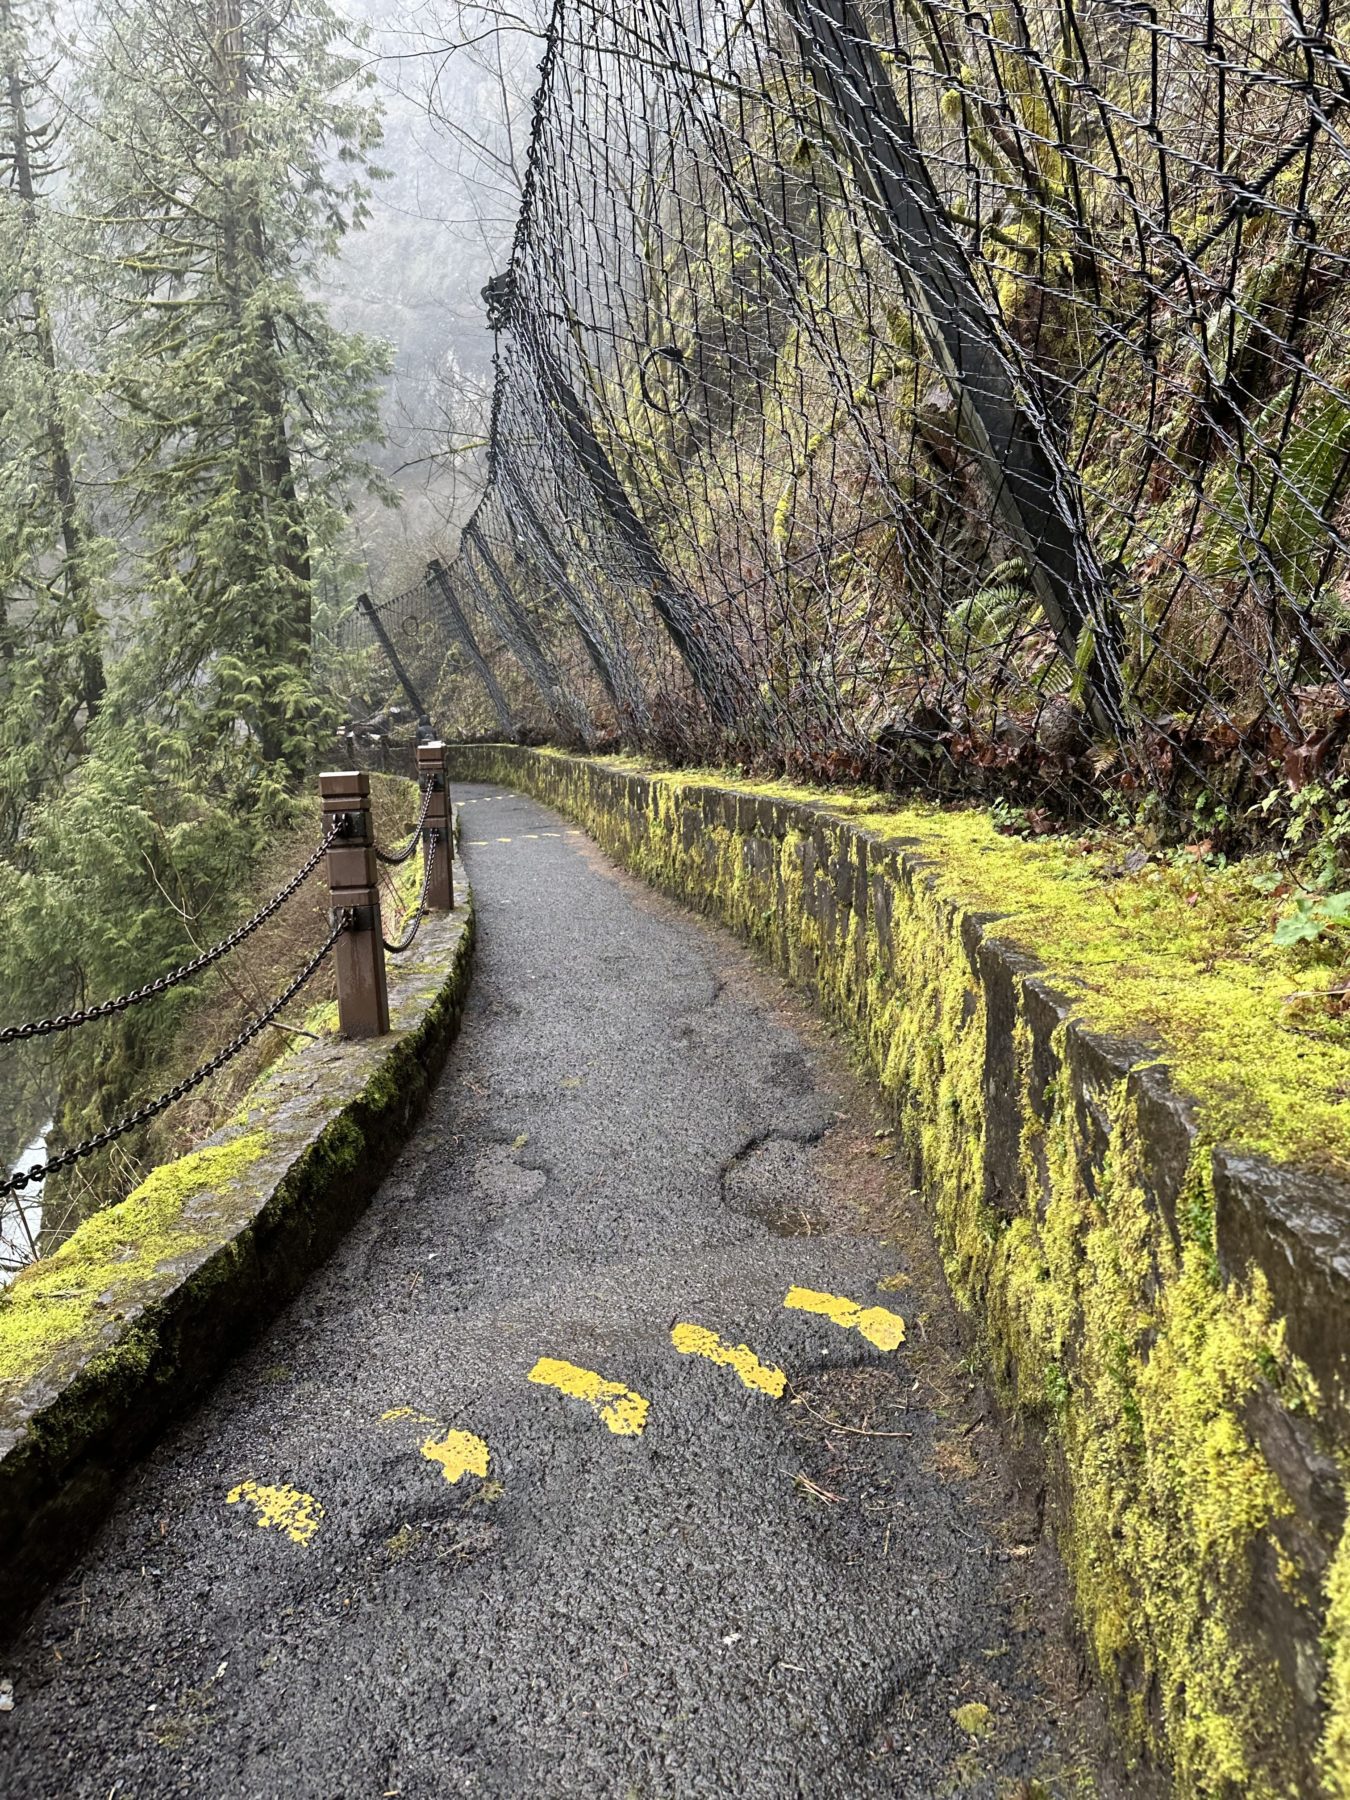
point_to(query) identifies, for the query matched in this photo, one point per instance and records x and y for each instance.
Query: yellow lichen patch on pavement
(283, 1508)
(697, 1340)
(884, 1329)
(459, 1453)
(623, 1411)
(974, 1719)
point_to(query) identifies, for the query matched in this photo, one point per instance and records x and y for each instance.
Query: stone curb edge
(334, 1116)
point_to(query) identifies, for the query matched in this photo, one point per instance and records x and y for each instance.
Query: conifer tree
(228, 157)
(51, 563)
(216, 155)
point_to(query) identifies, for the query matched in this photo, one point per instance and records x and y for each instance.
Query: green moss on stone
(1139, 956)
(1336, 1743)
(322, 1020)
(114, 1260)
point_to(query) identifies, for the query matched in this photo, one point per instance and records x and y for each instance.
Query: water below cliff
(21, 1217)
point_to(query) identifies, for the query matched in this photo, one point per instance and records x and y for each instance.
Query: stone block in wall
(1295, 1226)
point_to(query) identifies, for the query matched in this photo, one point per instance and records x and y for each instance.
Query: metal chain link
(107, 1008)
(40, 1171)
(433, 843)
(393, 857)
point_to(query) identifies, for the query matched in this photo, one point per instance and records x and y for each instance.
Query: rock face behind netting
(961, 400)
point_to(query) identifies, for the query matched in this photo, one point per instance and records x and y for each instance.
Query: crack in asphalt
(806, 1138)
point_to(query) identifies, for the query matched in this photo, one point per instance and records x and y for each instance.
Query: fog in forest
(455, 85)
(244, 374)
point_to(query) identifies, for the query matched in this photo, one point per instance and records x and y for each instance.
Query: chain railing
(410, 930)
(408, 848)
(142, 1115)
(107, 1009)
(354, 937)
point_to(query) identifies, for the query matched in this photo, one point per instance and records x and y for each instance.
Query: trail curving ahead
(626, 1447)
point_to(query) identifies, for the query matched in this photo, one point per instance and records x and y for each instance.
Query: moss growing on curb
(1336, 1744)
(1200, 980)
(1107, 1321)
(63, 1303)
(101, 1343)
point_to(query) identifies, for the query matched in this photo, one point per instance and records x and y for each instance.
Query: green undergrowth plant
(1313, 919)
(152, 898)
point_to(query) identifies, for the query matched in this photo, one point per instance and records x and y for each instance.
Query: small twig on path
(813, 1487)
(799, 1399)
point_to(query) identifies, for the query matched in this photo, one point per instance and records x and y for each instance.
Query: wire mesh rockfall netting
(916, 392)
(393, 649)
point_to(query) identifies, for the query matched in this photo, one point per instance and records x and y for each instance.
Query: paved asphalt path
(838, 1591)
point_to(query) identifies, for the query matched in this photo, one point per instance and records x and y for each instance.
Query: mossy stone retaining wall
(1166, 1311)
(107, 1338)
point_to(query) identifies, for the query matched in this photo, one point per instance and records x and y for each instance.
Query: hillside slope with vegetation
(185, 428)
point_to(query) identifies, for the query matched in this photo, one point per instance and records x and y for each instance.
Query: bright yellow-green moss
(322, 1019)
(1144, 1360)
(974, 1719)
(60, 1304)
(1141, 959)
(1117, 1335)
(1336, 1745)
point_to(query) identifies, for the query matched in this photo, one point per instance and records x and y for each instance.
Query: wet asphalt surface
(753, 1596)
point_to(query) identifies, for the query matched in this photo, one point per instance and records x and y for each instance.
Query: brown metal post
(363, 1000)
(431, 767)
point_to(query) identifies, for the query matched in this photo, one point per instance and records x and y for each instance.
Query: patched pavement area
(627, 1446)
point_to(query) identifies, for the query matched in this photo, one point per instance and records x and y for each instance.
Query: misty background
(455, 84)
(245, 372)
